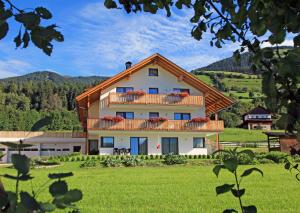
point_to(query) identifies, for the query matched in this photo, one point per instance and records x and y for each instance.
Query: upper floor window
(126, 115)
(153, 114)
(182, 116)
(198, 142)
(124, 89)
(153, 90)
(153, 72)
(181, 90)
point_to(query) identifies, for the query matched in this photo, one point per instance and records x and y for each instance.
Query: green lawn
(251, 84)
(171, 188)
(241, 135)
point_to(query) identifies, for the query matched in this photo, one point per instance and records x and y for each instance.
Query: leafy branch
(231, 163)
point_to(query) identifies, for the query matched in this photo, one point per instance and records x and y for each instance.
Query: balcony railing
(154, 99)
(145, 125)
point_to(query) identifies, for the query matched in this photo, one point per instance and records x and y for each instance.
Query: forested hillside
(45, 95)
(231, 65)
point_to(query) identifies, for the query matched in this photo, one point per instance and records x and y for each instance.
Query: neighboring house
(43, 143)
(154, 107)
(257, 118)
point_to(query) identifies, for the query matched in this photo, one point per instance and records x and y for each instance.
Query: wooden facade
(155, 99)
(145, 125)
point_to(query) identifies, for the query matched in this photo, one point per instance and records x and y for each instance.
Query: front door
(93, 147)
(169, 146)
(138, 146)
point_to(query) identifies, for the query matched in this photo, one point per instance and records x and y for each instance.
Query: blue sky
(99, 41)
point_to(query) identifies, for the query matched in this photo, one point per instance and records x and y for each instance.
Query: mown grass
(241, 135)
(251, 84)
(171, 188)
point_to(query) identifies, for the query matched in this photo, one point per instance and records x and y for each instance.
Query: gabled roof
(214, 99)
(258, 111)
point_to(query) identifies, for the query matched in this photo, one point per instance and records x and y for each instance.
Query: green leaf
(43, 13)
(296, 40)
(58, 188)
(47, 207)
(224, 188)
(248, 152)
(3, 29)
(26, 39)
(249, 209)
(21, 163)
(231, 164)
(230, 211)
(249, 171)
(217, 169)
(60, 175)
(30, 20)
(238, 193)
(110, 4)
(73, 196)
(28, 201)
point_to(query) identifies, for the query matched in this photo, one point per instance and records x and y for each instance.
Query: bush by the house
(277, 157)
(89, 164)
(171, 159)
(132, 161)
(112, 162)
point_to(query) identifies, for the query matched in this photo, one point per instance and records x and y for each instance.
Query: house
(43, 143)
(153, 107)
(257, 118)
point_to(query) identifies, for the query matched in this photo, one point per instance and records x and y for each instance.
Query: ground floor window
(93, 147)
(138, 146)
(76, 148)
(107, 142)
(198, 142)
(169, 146)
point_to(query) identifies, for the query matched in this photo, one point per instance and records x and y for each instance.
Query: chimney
(128, 64)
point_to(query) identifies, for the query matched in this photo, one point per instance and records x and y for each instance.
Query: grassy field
(171, 188)
(205, 78)
(241, 135)
(251, 84)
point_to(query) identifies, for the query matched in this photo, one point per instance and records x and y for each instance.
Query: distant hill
(54, 77)
(231, 65)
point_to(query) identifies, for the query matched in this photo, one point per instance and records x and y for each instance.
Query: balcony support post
(217, 135)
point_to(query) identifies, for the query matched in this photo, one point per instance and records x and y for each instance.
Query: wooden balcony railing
(145, 125)
(154, 99)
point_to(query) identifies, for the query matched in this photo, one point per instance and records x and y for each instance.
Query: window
(124, 89)
(126, 115)
(179, 90)
(153, 72)
(182, 116)
(153, 90)
(198, 142)
(107, 142)
(76, 148)
(153, 114)
(169, 145)
(66, 149)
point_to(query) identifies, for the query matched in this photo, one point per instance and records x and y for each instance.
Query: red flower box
(113, 118)
(137, 92)
(157, 120)
(200, 120)
(180, 94)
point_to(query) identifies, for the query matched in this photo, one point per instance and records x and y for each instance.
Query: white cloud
(13, 67)
(109, 38)
(288, 42)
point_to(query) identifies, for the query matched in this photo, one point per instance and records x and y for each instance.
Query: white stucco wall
(165, 82)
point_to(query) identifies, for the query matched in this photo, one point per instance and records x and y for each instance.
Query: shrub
(171, 159)
(195, 156)
(143, 157)
(82, 158)
(72, 159)
(88, 158)
(265, 161)
(190, 156)
(98, 157)
(161, 157)
(132, 161)
(89, 164)
(156, 156)
(78, 158)
(199, 156)
(208, 156)
(147, 157)
(112, 162)
(151, 157)
(243, 159)
(277, 157)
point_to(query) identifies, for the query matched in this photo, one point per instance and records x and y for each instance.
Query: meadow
(182, 188)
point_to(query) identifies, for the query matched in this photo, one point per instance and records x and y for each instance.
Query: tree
(31, 28)
(251, 23)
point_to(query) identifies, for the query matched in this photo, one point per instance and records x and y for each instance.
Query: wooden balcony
(155, 99)
(145, 125)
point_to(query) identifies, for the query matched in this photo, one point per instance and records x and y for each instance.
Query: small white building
(43, 143)
(154, 107)
(257, 118)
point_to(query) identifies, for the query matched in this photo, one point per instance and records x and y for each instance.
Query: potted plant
(200, 120)
(113, 118)
(157, 120)
(136, 92)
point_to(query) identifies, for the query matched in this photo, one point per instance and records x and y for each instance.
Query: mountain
(42, 76)
(231, 65)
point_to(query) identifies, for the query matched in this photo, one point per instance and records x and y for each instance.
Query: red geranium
(157, 120)
(200, 120)
(113, 118)
(137, 92)
(180, 94)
